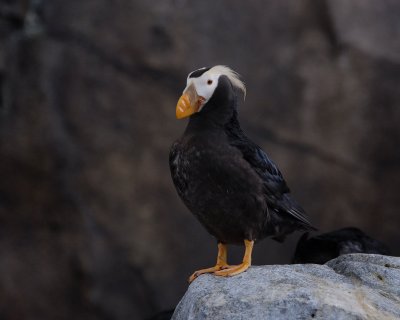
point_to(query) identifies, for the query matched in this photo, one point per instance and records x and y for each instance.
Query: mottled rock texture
(90, 224)
(355, 286)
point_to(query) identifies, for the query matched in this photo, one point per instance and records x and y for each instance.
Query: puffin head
(205, 86)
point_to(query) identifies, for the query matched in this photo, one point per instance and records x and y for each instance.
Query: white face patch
(206, 84)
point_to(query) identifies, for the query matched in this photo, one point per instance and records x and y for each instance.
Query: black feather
(276, 189)
(197, 73)
(227, 181)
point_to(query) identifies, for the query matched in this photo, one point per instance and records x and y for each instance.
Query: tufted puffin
(226, 180)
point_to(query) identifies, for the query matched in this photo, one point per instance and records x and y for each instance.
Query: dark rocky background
(90, 224)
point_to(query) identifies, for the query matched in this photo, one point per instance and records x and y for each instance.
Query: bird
(225, 179)
(327, 246)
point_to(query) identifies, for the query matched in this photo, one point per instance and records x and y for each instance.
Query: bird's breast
(210, 175)
(220, 189)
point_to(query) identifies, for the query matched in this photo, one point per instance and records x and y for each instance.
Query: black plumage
(324, 247)
(227, 181)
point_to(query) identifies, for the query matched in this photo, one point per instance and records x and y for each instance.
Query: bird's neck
(214, 117)
(232, 127)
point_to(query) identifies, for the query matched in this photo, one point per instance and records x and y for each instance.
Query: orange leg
(234, 270)
(221, 263)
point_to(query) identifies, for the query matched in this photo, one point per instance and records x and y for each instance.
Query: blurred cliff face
(91, 226)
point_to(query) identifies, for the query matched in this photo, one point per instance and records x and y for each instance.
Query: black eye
(209, 82)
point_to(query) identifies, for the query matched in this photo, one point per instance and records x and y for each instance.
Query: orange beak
(189, 103)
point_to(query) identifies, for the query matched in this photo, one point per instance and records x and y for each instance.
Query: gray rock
(368, 25)
(355, 286)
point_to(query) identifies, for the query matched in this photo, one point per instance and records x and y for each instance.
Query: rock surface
(355, 286)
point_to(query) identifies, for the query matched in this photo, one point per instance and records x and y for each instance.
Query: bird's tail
(291, 207)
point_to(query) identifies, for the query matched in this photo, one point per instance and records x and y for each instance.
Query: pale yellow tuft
(232, 75)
